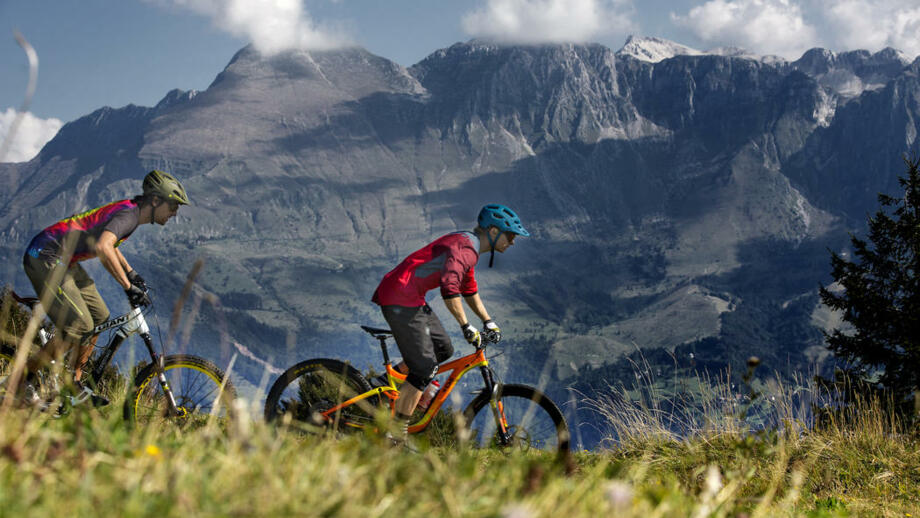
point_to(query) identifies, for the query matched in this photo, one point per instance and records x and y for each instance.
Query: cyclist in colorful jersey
(447, 263)
(68, 294)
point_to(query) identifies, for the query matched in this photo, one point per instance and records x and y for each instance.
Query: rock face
(686, 201)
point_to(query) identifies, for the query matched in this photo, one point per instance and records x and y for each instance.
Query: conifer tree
(878, 293)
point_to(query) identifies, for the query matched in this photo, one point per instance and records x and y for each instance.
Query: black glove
(136, 279)
(491, 331)
(471, 334)
(137, 297)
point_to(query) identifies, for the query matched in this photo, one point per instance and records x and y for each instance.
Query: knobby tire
(303, 392)
(534, 420)
(196, 386)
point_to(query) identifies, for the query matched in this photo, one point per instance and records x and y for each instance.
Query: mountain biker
(68, 294)
(446, 263)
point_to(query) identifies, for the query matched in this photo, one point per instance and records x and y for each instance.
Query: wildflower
(619, 494)
(153, 450)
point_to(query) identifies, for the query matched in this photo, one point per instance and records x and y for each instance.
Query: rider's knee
(74, 330)
(420, 378)
(443, 352)
(100, 315)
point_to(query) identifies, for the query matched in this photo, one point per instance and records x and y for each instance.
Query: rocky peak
(545, 93)
(351, 70)
(653, 50)
(853, 72)
(441, 69)
(175, 97)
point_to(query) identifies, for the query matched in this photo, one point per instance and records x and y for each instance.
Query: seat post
(383, 349)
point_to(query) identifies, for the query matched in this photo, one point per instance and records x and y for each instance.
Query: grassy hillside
(88, 463)
(700, 448)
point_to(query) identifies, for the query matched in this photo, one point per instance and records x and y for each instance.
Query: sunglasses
(510, 236)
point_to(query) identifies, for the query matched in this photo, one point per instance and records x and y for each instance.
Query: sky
(95, 53)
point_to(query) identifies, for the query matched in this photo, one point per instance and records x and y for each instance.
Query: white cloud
(545, 21)
(271, 25)
(31, 135)
(874, 24)
(761, 26)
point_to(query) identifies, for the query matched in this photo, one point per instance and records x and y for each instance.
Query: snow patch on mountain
(651, 49)
(655, 49)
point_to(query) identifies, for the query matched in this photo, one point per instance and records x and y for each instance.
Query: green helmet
(165, 186)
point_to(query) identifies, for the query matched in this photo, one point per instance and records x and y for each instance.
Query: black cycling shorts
(421, 339)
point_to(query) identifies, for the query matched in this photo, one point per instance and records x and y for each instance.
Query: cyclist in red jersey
(446, 263)
(68, 294)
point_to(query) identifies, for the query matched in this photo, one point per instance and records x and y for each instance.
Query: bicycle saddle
(29, 302)
(377, 331)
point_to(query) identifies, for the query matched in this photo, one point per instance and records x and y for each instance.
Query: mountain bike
(326, 394)
(177, 387)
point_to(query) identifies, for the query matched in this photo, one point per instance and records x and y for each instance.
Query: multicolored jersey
(446, 263)
(83, 230)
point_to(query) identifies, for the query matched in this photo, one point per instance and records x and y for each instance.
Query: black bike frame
(128, 324)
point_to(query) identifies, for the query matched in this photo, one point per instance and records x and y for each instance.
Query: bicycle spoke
(312, 392)
(194, 384)
(533, 422)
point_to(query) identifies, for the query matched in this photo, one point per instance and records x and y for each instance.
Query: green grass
(88, 462)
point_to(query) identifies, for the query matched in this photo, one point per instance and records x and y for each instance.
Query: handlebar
(489, 336)
(146, 290)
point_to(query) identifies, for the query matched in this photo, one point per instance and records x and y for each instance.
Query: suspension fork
(161, 374)
(494, 388)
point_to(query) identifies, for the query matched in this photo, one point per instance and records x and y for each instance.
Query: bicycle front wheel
(309, 394)
(532, 420)
(199, 387)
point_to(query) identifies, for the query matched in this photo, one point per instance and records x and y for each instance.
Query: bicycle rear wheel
(305, 393)
(7, 354)
(45, 390)
(533, 420)
(199, 387)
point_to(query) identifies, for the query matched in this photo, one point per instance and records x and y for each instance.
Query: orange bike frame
(457, 369)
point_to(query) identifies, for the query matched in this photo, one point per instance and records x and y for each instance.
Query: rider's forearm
(475, 303)
(108, 256)
(456, 309)
(124, 262)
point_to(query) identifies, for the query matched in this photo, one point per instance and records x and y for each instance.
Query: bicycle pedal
(88, 394)
(401, 442)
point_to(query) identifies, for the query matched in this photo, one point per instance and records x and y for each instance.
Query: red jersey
(446, 263)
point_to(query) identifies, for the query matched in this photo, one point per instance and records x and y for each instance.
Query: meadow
(695, 446)
(88, 462)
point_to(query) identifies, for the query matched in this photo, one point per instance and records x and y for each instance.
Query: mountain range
(679, 201)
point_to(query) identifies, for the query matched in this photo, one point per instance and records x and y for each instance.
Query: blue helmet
(503, 218)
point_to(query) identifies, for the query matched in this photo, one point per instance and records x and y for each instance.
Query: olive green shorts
(68, 295)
